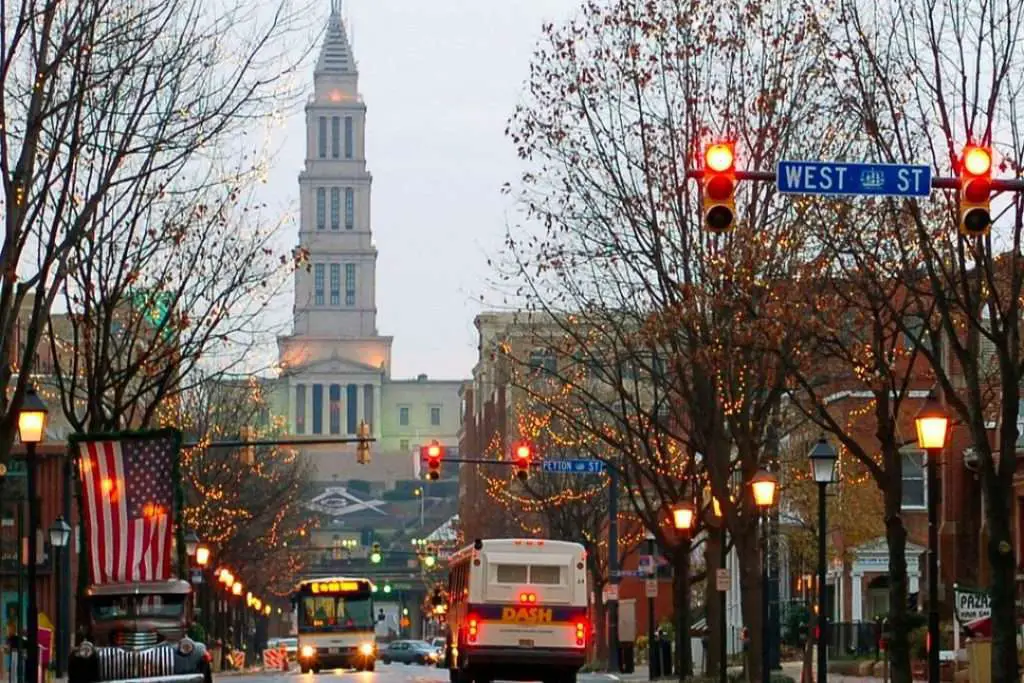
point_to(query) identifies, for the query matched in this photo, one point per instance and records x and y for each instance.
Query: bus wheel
(304, 669)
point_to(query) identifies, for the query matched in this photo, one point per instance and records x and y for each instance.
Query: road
(385, 673)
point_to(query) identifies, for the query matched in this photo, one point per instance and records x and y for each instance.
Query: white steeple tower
(335, 311)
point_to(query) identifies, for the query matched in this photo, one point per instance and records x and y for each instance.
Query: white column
(914, 577)
(360, 409)
(856, 585)
(378, 414)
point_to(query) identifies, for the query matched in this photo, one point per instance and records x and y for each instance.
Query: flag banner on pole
(127, 504)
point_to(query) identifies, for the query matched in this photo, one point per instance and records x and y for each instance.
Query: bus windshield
(336, 613)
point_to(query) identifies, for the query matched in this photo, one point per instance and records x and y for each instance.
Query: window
(349, 138)
(916, 334)
(318, 284)
(914, 494)
(300, 408)
(350, 208)
(335, 208)
(335, 137)
(403, 445)
(321, 208)
(335, 284)
(435, 416)
(547, 575)
(318, 408)
(322, 138)
(350, 284)
(350, 399)
(543, 360)
(510, 573)
(334, 397)
(403, 416)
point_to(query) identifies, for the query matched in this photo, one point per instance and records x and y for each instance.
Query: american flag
(128, 493)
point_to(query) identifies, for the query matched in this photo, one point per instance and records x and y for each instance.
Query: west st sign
(834, 178)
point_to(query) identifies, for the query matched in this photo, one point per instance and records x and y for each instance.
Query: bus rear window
(510, 573)
(547, 575)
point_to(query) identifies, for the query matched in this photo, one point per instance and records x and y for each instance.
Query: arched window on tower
(335, 208)
(321, 142)
(349, 138)
(321, 208)
(335, 137)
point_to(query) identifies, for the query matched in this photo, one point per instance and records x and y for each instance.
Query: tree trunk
(896, 536)
(1003, 596)
(712, 602)
(681, 600)
(749, 553)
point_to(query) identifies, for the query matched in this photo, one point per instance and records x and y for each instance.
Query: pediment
(880, 546)
(335, 366)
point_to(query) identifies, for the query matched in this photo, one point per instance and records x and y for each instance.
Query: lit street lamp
(823, 459)
(32, 430)
(765, 488)
(191, 543)
(932, 427)
(682, 516)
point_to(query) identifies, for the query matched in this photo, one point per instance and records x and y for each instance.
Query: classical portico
(869, 571)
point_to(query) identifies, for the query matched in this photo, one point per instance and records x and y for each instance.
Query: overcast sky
(440, 79)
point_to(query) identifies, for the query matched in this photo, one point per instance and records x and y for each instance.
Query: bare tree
(672, 323)
(923, 78)
(246, 503)
(107, 106)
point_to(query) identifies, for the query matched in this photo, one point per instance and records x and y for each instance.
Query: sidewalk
(791, 669)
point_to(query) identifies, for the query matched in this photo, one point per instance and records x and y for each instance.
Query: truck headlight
(366, 649)
(186, 646)
(85, 649)
(308, 651)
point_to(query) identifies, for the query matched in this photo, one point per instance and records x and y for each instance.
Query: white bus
(335, 624)
(518, 611)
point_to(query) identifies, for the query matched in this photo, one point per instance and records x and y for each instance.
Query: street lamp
(682, 516)
(202, 556)
(823, 457)
(765, 488)
(32, 430)
(932, 428)
(191, 543)
(60, 534)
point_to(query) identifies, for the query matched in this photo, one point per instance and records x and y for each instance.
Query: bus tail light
(474, 624)
(528, 598)
(581, 633)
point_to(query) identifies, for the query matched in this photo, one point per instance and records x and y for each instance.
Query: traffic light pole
(938, 182)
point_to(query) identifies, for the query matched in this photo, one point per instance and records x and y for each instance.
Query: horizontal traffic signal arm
(949, 183)
(279, 442)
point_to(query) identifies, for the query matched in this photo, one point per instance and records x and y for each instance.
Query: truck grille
(117, 663)
(135, 639)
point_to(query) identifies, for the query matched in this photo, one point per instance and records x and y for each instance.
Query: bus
(518, 610)
(335, 624)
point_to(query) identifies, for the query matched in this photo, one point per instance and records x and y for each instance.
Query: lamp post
(723, 633)
(765, 488)
(203, 598)
(932, 427)
(823, 459)
(683, 517)
(60, 534)
(31, 430)
(652, 645)
(191, 543)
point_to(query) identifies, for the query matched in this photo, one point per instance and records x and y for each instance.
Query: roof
(446, 533)
(174, 587)
(336, 52)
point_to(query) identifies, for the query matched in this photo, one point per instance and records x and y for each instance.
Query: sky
(440, 79)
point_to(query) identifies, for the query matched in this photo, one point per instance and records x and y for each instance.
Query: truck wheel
(370, 665)
(304, 669)
(207, 672)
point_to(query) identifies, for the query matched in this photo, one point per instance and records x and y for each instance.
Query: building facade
(335, 367)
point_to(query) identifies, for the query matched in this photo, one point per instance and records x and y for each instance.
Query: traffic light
(375, 554)
(363, 447)
(719, 184)
(975, 191)
(522, 454)
(430, 557)
(433, 453)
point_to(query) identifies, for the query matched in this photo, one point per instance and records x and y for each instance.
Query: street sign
(572, 466)
(651, 588)
(722, 580)
(630, 572)
(840, 178)
(610, 592)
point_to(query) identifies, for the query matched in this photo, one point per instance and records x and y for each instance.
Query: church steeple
(336, 56)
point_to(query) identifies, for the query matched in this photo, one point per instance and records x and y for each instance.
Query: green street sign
(14, 468)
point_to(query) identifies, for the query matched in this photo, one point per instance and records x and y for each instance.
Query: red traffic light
(522, 452)
(977, 160)
(434, 451)
(719, 157)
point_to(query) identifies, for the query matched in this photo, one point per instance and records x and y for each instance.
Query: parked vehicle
(409, 652)
(439, 645)
(136, 632)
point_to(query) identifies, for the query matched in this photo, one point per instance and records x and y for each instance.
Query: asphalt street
(385, 673)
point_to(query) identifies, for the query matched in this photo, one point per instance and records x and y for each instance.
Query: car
(409, 652)
(439, 644)
(136, 632)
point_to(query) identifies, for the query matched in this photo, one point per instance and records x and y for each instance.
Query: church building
(336, 365)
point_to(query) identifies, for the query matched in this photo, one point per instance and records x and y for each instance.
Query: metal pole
(32, 657)
(652, 646)
(933, 565)
(55, 642)
(765, 653)
(822, 612)
(64, 599)
(723, 632)
(613, 569)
